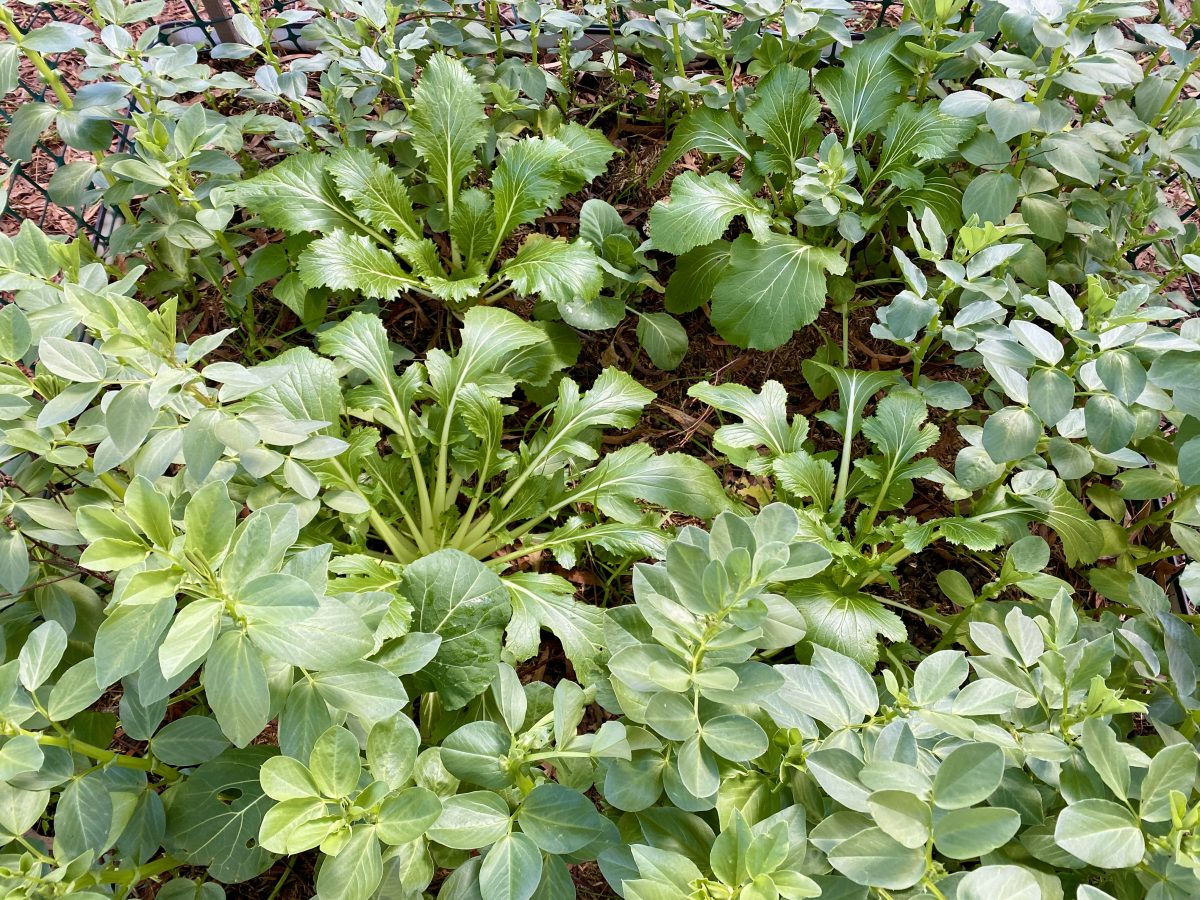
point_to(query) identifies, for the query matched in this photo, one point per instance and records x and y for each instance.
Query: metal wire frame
(88, 220)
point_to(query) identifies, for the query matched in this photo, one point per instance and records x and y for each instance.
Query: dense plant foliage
(357, 542)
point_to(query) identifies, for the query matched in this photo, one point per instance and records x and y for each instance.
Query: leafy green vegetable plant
(771, 281)
(485, 787)
(371, 223)
(1078, 383)
(848, 511)
(722, 36)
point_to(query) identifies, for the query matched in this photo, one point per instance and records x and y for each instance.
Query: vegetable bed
(724, 451)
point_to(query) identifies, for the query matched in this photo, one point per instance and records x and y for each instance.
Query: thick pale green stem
(396, 543)
(884, 487)
(400, 421)
(676, 45)
(107, 757)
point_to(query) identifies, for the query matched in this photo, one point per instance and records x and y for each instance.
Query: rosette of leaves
(455, 481)
(212, 539)
(284, 436)
(747, 859)
(956, 779)
(803, 196)
(83, 121)
(685, 666)
(159, 177)
(380, 234)
(1079, 142)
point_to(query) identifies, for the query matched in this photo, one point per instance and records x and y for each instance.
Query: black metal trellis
(210, 24)
(30, 176)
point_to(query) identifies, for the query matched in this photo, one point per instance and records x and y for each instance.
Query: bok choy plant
(820, 197)
(436, 232)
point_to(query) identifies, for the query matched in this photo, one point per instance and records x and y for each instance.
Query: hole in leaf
(229, 796)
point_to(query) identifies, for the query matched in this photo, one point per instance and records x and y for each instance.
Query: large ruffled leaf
(919, 133)
(899, 432)
(588, 154)
(345, 261)
(700, 209)
(849, 622)
(361, 341)
(555, 270)
(672, 481)
(473, 225)
(497, 349)
(864, 90)
(783, 111)
(460, 599)
(696, 274)
(548, 602)
(711, 131)
(376, 193)
(448, 121)
(764, 421)
(296, 196)
(526, 181)
(771, 288)
(615, 400)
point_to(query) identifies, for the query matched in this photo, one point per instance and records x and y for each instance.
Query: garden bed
(584, 450)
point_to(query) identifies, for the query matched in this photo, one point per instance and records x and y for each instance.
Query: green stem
(400, 421)
(49, 76)
(1044, 88)
(922, 350)
(843, 482)
(138, 873)
(1191, 69)
(107, 757)
(34, 851)
(497, 29)
(676, 45)
(287, 873)
(112, 484)
(938, 621)
(396, 543)
(884, 486)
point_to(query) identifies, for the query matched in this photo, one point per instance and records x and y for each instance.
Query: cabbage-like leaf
(346, 261)
(459, 598)
(773, 286)
(700, 209)
(864, 90)
(448, 122)
(849, 622)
